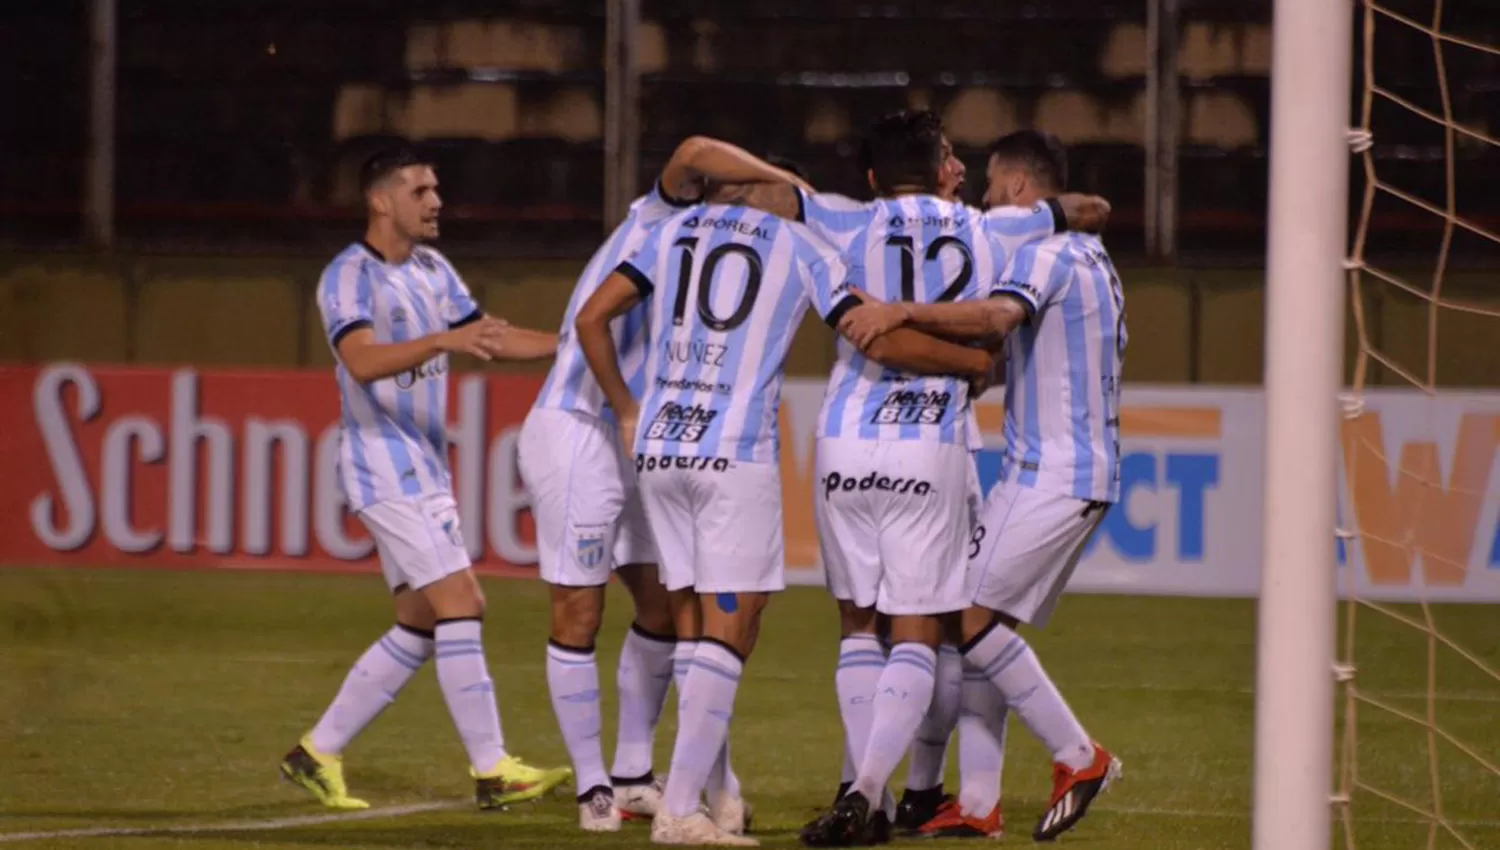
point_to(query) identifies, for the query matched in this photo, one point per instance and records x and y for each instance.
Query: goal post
(1312, 48)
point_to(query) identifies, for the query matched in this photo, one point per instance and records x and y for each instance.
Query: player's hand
(1086, 213)
(628, 419)
(865, 323)
(484, 338)
(980, 384)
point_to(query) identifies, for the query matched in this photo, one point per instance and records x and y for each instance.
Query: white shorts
(418, 539)
(717, 523)
(583, 496)
(1030, 543)
(894, 525)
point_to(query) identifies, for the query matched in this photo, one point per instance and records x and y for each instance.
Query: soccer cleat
(1073, 791)
(321, 774)
(596, 810)
(919, 807)
(639, 800)
(847, 824)
(515, 781)
(951, 822)
(695, 830)
(731, 814)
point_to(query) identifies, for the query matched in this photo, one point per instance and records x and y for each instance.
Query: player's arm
(524, 345)
(700, 163)
(346, 300)
(622, 290)
(367, 360)
(986, 321)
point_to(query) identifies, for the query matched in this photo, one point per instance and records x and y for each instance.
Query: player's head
(400, 187)
(906, 151)
(1025, 167)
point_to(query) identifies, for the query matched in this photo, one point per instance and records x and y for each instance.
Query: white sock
(682, 659)
(929, 753)
(721, 778)
(372, 684)
(573, 681)
(707, 705)
(861, 662)
(901, 698)
(1007, 660)
(465, 680)
(644, 677)
(981, 744)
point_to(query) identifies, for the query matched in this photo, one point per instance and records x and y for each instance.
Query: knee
(854, 620)
(453, 597)
(576, 615)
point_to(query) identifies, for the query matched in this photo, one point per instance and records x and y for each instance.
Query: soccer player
(394, 309)
(899, 549)
(590, 522)
(726, 287)
(1060, 310)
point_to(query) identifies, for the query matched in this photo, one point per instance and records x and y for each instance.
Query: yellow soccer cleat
(321, 774)
(515, 781)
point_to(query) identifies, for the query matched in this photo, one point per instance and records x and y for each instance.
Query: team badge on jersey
(590, 548)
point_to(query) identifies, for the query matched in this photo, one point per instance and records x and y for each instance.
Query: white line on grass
(264, 825)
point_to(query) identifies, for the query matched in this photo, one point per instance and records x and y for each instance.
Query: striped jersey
(1062, 383)
(393, 433)
(570, 385)
(726, 288)
(912, 248)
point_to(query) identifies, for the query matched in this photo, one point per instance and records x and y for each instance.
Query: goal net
(1419, 668)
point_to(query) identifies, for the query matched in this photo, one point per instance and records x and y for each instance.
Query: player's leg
(923, 533)
(851, 565)
(924, 797)
(571, 469)
(848, 536)
(981, 761)
(643, 680)
(316, 763)
(646, 660)
(1034, 541)
(738, 564)
(424, 538)
(924, 793)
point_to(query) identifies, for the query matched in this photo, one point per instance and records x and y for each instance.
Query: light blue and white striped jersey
(912, 248)
(570, 385)
(393, 432)
(726, 288)
(1062, 382)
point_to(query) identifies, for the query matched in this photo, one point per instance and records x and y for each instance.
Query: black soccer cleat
(847, 824)
(917, 807)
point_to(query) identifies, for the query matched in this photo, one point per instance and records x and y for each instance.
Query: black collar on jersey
(371, 248)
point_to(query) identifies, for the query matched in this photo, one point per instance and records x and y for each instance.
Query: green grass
(153, 700)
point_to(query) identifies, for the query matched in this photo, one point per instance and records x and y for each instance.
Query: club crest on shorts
(590, 550)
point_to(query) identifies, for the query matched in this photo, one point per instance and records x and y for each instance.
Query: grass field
(158, 703)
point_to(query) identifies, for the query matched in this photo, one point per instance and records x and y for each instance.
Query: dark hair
(789, 165)
(387, 161)
(904, 148)
(1039, 153)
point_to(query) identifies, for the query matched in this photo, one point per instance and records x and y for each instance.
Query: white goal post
(1312, 49)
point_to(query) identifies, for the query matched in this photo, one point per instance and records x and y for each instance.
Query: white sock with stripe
(464, 678)
(1008, 661)
(372, 684)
